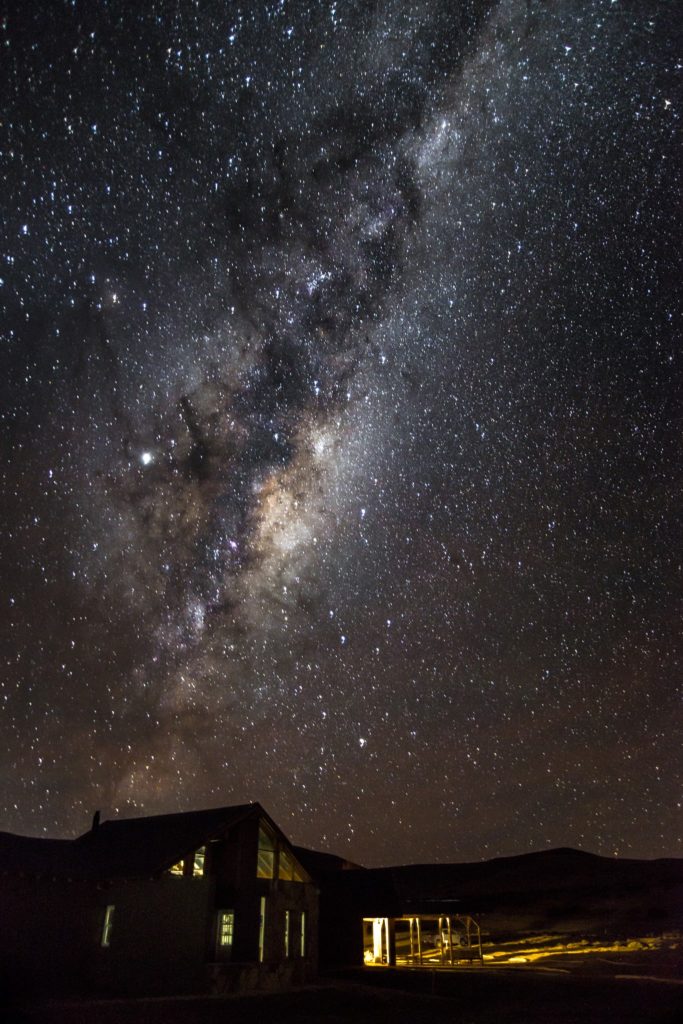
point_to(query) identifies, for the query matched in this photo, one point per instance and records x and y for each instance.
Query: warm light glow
(425, 940)
(423, 946)
(226, 928)
(288, 869)
(198, 863)
(518, 953)
(265, 866)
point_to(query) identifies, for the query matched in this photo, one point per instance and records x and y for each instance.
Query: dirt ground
(625, 993)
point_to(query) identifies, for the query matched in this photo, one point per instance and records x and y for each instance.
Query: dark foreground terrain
(624, 994)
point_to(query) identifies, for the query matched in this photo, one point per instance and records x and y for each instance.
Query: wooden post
(419, 940)
(391, 941)
(450, 940)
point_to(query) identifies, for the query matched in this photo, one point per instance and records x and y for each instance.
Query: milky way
(341, 413)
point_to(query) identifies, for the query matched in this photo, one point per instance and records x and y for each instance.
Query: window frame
(225, 930)
(266, 853)
(199, 862)
(302, 935)
(107, 926)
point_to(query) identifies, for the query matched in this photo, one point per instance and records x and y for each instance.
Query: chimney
(95, 821)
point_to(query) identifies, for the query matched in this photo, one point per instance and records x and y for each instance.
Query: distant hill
(528, 873)
(563, 892)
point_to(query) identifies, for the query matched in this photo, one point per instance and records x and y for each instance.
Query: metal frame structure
(421, 940)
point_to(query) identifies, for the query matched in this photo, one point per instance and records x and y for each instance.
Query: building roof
(319, 865)
(27, 855)
(124, 847)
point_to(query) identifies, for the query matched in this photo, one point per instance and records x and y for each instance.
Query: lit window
(285, 866)
(107, 925)
(266, 855)
(288, 869)
(302, 934)
(287, 926)
(226, 929)
(198, 863)
(193, 865)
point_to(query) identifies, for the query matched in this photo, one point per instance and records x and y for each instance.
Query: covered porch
(421, 940)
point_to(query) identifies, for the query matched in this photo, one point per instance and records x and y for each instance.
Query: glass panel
(177, 869)
(226, 928)
(198, 865)
(430, 947)
(408, 941)
(287, 925)
(297, 873)
(265, 867)
(266, 864)
(285, 866)
(288, 869)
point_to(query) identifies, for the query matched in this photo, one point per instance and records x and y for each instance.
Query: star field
(340, 420)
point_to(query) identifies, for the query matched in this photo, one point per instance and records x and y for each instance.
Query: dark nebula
(341, 420)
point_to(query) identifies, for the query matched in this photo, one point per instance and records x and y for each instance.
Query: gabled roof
(32, 856)
(319, 865)
(134, 847)
(125, 847)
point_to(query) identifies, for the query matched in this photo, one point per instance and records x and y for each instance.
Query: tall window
(262, 930)
(198, 863)
(107, 926)
(226, 931)
(265, 867)
(287, 927)
(302, 934)
(288, 869)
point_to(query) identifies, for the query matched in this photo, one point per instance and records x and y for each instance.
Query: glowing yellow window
(198, 863)
(226, 928)
(288, 869)
(265, 867)
(285, 866)
(177, 869)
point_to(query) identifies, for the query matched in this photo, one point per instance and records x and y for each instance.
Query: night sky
(341, 409)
